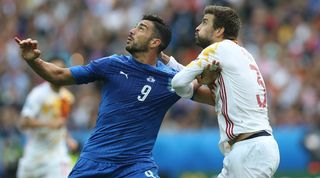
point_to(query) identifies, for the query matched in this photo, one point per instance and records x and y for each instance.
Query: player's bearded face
(202, 40)
(139, 38)
(135, 45)
(204, 34)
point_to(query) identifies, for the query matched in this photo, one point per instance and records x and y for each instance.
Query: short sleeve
(95, 70)
(205, 58)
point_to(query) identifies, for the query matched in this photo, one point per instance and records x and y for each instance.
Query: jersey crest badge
(151, 79)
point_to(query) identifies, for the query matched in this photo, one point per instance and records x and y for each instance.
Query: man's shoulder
(166, 69)
(40, 91)
(115, 58)
(66, 94)
(42, 87)
(218, 47)
(211, 49)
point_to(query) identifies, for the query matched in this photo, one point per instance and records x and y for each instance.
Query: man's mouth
(129, 38)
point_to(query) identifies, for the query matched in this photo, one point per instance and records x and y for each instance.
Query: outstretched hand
(210, 73)
(29, 48)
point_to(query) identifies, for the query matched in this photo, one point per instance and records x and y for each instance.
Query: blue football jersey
(135, 98)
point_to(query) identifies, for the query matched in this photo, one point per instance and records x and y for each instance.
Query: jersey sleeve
(95, 70)
(33, 103)
(174, 64)
(182, 81)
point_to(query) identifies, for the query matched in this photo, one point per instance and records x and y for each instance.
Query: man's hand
(29, 49)
(72, 143)
(210, 73)
(164, 58)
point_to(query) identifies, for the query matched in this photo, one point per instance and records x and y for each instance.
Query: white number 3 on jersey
(144, 92)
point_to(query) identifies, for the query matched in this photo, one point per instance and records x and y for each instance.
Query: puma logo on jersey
(122, 73)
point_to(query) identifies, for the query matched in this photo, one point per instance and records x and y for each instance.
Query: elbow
(177, 83)
(184, 90)
(55, 81)
(58, 78)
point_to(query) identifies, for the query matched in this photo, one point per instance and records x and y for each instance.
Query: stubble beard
(203, 42)
(134, 48)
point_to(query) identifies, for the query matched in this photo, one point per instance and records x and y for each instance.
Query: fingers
(37, 52)
(164, 56)
(219, 69)
(199, 78)
(215, 65)
(208, 67)
(27, 43)
(215, 62)
(34, 44)
(17, 40)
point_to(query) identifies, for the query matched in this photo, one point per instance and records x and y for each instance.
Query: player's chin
(198, 42)
(128, 44)
(128, 48)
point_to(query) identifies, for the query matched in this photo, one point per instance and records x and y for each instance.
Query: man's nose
(131, 32)
(197, 29)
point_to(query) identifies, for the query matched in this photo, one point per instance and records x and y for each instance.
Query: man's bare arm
(203, 94)
(48, 71)
(52, 73)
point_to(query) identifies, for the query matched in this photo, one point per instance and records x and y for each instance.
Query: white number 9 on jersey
(144, 92)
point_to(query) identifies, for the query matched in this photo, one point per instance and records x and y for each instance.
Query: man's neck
(146, 58)
(55, 87)
(216, 41)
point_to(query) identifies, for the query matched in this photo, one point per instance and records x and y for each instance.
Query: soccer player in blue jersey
(135, 97)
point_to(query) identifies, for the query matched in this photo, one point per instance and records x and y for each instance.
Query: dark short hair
(162, 30)
(227, 18)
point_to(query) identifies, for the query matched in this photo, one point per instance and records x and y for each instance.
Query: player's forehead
(208, 18)
(146, 24)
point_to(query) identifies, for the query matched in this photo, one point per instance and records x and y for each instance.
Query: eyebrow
(144, 25)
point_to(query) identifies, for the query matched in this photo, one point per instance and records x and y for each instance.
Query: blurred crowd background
(283, 36)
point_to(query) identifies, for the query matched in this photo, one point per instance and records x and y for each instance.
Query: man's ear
(154, 43)
(220, 31)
